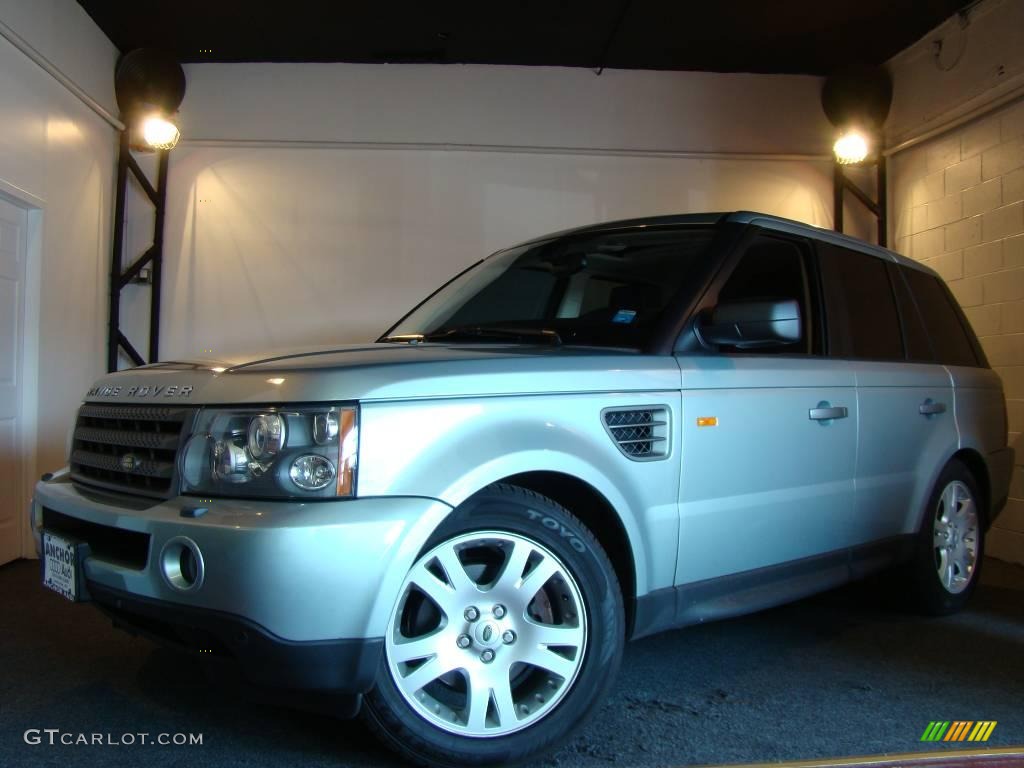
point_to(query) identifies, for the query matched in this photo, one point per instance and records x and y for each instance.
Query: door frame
(28, 386)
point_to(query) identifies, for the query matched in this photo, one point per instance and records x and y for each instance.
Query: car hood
(389, 372)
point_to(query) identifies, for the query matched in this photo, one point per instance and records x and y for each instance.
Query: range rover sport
(591, 437)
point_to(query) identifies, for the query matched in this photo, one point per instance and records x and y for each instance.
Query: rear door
(764, 479)
(905, 398)
(979, 406)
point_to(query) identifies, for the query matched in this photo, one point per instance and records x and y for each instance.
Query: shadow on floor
(843, 673)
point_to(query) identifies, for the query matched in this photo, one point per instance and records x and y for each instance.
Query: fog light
(312, 472)
(181, 563)
(188, 566)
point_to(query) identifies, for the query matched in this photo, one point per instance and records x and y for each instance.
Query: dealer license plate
(61, 566)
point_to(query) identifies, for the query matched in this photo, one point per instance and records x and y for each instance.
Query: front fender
(450, 449)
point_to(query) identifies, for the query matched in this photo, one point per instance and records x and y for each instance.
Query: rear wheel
(951, 543)
(507, 632)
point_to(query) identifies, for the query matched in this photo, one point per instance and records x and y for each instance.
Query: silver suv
(587, 438)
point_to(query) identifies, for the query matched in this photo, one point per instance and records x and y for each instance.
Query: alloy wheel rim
(488, 636)
(955, 537)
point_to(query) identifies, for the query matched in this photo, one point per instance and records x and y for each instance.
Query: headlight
(273, 452)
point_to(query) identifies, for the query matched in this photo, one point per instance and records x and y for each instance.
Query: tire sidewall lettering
(559, 528)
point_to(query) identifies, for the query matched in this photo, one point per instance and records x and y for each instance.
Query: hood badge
(163, 390)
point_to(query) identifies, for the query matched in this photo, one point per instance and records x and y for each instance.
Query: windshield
(602, 289)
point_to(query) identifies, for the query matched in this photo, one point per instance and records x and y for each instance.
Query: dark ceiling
(783, 36)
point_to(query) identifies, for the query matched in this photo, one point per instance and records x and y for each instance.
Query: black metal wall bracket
(841, 183)
(152, 258)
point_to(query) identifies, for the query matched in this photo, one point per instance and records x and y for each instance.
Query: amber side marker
(707, 421)
(1003, 757)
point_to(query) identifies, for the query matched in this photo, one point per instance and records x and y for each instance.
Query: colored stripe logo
(958, 730)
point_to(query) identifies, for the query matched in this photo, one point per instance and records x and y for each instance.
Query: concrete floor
(843, 673)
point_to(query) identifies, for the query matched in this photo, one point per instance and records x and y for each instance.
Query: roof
(780, 224)
(767, 221)
(647, 221)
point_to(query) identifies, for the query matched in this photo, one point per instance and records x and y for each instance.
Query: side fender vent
(640, 432)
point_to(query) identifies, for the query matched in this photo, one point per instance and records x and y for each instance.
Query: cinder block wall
(958, 205)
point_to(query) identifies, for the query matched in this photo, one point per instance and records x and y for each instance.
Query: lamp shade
(860, 97)
(146, 79)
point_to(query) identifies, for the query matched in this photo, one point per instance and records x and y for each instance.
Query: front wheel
(951, 543)
(507, 632)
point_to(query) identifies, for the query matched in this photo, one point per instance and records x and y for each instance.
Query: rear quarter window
(950, 334)
(915, 335)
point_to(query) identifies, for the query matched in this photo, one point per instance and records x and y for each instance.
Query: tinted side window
(771, 268)
(915, 337)
(862, 317)
(942, 319)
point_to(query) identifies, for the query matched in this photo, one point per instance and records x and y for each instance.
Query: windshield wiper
(494, 331)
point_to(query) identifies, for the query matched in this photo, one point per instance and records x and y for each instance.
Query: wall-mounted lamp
(150, 86)
(857, 103)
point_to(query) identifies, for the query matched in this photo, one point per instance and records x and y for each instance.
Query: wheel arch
(975, 463)
(599, 515)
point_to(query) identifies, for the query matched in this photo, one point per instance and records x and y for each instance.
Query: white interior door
(13, 246)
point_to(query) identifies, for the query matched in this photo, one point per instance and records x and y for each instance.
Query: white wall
(57, 156)
(505, 105)
(315, 203)
(958, 202)
(63, 32)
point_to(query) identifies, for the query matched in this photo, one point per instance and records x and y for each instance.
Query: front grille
(640, 433)
(129, 448)
(115, 545)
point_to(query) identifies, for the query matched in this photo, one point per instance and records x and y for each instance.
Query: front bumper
(337, 666)
(307, 584)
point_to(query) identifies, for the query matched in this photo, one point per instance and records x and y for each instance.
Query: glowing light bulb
(159, 132)
(851, 147)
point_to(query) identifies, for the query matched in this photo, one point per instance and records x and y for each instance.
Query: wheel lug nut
(472, 614)
(508, 637)
(463, 641)
(499, 611)
(487, 656)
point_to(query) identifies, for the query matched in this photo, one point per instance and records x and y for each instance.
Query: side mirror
(751, 324)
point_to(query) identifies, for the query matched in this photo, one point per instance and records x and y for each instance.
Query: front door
(767, 484)
(13, 239)
(769, 436)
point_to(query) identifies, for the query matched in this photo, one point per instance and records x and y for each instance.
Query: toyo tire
(506, 635)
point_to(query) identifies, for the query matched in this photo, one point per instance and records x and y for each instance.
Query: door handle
(928, 408)
(826, 412)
